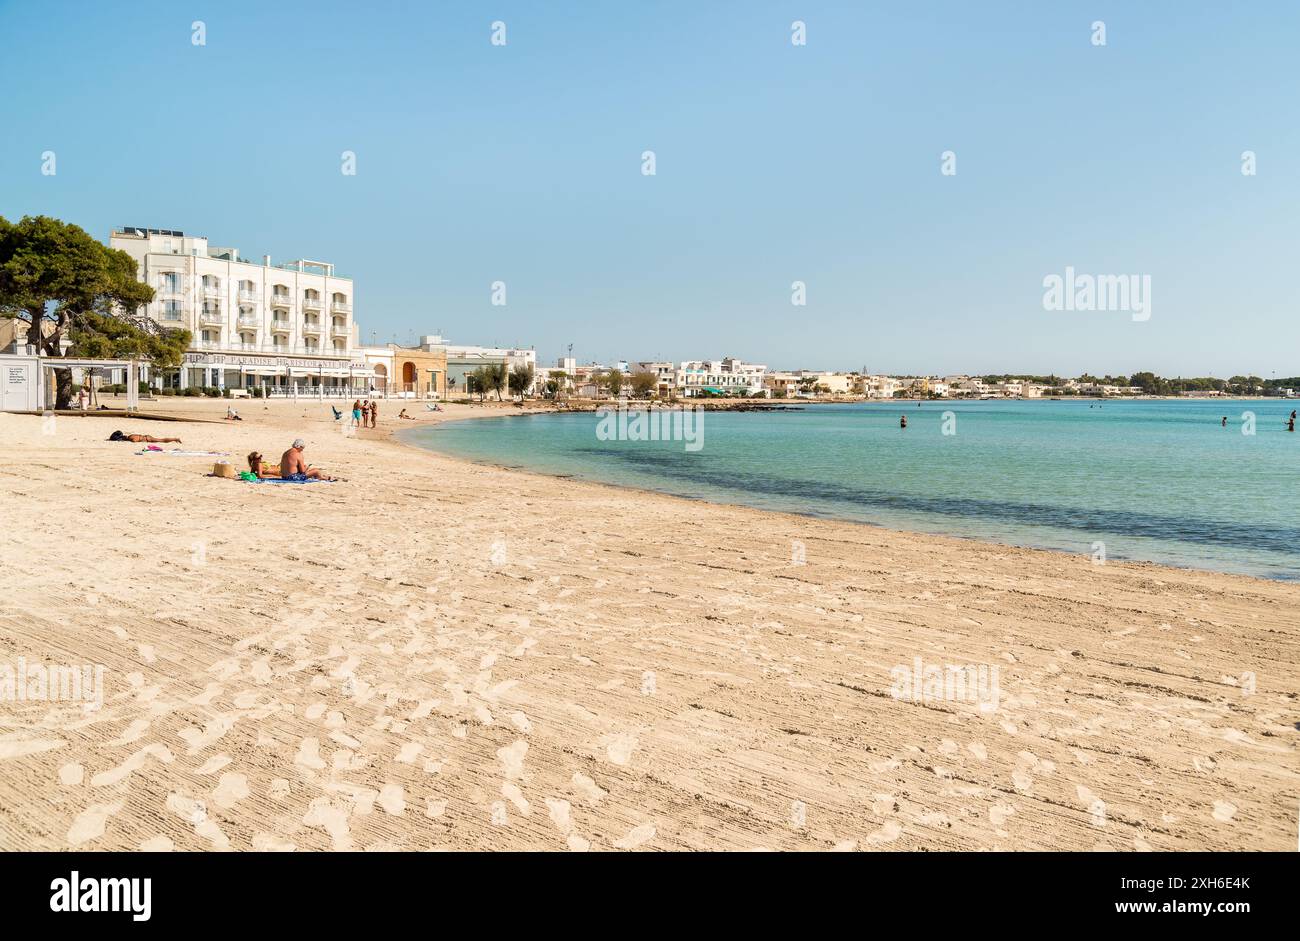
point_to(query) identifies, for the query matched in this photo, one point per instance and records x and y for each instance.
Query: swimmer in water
(1225, 421)
(902, 422)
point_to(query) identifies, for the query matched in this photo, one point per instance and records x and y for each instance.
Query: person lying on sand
(231, 414)
(257, 465)
(147, 439)
(293, 467)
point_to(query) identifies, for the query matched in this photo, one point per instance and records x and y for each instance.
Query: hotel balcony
(280, 326)
(340, 329)
(250, 320)
(311, 303)
(212, 317)
(281, 300)
(311, 328)
(210, 290)
(341, 307)
(248, 297)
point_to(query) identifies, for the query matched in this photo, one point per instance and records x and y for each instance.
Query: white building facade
(285, 328)
(712, 376)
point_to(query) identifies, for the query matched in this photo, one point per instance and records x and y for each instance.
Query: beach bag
(224, 469)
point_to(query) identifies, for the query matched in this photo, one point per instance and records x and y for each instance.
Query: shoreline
(439, 654)
(396, 433)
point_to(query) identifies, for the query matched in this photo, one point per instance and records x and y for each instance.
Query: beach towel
(177, 452)
(290, 480)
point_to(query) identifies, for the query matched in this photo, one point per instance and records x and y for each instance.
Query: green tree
(644, 383)
(78, 298)
(494, 378)
(521, 380)
(614, 382)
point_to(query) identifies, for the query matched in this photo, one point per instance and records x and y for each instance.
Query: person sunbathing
(293, 467)
(257, 465)
(137, 439)
(402, 414)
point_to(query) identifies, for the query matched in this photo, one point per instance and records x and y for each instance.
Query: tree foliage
(78, 297)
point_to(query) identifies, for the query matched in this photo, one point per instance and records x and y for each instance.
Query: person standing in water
(1225, 421)
(902, 421)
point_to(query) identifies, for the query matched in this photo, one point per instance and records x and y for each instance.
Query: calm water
(1157, 480)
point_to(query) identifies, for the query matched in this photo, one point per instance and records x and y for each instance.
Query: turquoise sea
(1151, 479)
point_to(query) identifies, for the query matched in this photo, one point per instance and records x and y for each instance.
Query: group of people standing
(365, 413)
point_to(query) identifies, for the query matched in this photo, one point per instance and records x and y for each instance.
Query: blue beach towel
(290, 480)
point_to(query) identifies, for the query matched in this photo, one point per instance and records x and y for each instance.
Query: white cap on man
(299, 443)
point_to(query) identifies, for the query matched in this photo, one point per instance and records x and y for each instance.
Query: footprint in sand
(231, 789)
(71, 775)
(636, 837)
(512, 758)
(512, 793)
(309, 754)
(267, 843)
(999, 813)
(887, 833)
(560, 814)
(89, 824)
(392, 799)
(1223, 811)
(619, 747)
(591, 792)
(213, 764)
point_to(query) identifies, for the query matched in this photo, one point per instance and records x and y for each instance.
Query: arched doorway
(410, 377)
(381, 377)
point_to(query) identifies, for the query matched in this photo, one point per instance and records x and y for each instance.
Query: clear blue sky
(775, 163)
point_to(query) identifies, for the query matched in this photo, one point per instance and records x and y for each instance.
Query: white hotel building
(726, 375)
(282, 327)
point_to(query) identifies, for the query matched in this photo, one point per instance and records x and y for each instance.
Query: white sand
(442, 655)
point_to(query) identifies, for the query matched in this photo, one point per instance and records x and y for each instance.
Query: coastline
(504, 410)
(409, 658)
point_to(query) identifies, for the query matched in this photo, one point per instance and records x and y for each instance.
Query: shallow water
(1148, 479)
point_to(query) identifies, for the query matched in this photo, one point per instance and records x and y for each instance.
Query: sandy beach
(440, 655)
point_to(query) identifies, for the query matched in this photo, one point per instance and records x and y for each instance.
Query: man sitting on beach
(293, 467)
